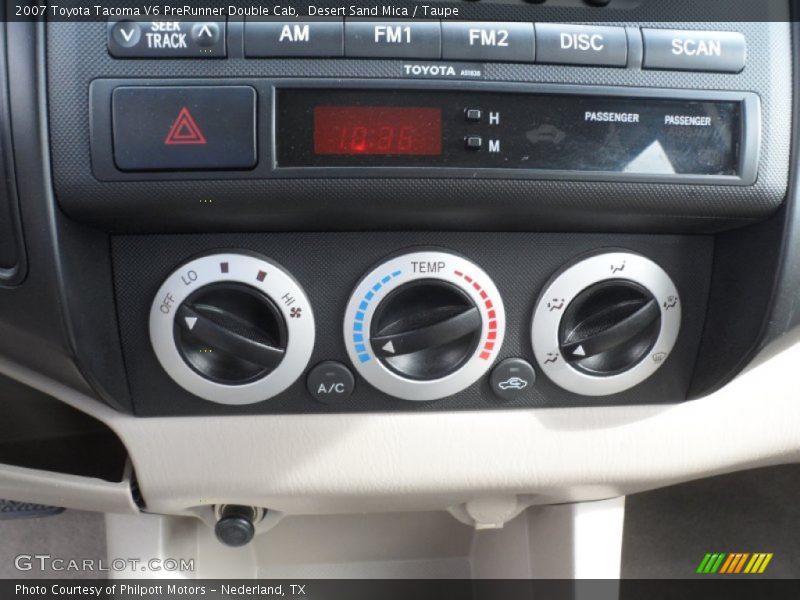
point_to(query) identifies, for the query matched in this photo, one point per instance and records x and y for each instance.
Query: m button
(184, 128)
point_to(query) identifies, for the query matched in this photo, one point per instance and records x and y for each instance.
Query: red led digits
(377, 130)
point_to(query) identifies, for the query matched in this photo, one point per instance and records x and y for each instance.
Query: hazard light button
(184, 128)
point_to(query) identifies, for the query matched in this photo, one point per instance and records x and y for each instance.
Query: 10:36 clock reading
(378, 130)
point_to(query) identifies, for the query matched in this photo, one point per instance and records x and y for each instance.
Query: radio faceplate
(522, 131)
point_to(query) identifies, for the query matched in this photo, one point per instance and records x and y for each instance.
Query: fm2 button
(513, 378)
(330, 382)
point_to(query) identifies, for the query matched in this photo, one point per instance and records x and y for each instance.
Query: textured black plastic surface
(77, 55)
(328, 266)
(61, 321)
(12, 253)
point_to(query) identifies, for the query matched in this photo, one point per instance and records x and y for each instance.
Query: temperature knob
(424, 325)
(232, 328)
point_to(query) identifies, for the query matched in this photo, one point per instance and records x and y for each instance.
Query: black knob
(425, 330)
(235, 526)
(230, 333)
(609, 327)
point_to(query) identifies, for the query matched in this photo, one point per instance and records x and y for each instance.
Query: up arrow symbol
(389, 347)
(579, 351)
(191, 321)
(204, 30)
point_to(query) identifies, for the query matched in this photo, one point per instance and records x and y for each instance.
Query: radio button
(513, 42)
(393, 39)
(473, 115)
(715, 51)
(166, 39)
(271, 37)
(473, 142)
(581, 45)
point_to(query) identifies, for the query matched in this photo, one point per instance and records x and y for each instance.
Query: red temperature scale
(377, 130)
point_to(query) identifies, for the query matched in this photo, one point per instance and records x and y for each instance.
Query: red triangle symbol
(184, 130)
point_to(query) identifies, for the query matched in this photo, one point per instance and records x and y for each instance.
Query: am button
(313, 37)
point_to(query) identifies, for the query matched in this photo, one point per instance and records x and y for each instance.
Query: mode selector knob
(606, 323)
(233, 328)
(424, 325)
(609, 327)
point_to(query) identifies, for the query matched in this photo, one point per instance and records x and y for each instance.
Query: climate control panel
(290, 323)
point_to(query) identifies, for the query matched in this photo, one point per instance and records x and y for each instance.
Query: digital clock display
(377, 131)
(532, 131)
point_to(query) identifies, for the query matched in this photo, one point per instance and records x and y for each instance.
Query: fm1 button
(513, 378)
(330, 382)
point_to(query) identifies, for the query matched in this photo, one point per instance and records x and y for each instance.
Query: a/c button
(330, 382)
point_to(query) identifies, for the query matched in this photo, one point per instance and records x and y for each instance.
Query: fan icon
(296, 313)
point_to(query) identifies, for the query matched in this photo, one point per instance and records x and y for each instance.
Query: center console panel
(329, 267)
(450, 214)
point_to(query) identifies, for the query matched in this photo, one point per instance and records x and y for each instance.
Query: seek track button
(166, 38)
